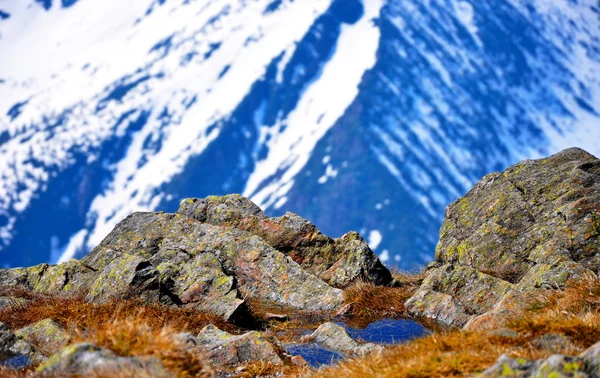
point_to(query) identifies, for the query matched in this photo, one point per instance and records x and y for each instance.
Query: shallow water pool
(385, 331)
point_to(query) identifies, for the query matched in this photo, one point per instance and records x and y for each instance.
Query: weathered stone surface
(335, 337)
(555, 343)
(209, 256)
(71, 276)
(535, 226)
(15, 352)
(587, 364)
(170, 257)
(338, 262)
(504, 332)
(86, 359)
(464, 292)
(46, 334)
(509, 367)
(227, 350)
(556, 366)
(7, 340)
(592, 360)
(6, 302)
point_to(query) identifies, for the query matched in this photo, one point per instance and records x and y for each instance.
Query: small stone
(278, 317)
(227, 350)
(554, 342)
(47, 335)
(298, 361)
(7, 340)
(591, 356)
(509, 367)
(504, 332)
(335, 338)
(345, 309)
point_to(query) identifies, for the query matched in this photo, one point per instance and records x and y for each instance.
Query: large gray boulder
(172, 259)
(339, 262)
(535, 226)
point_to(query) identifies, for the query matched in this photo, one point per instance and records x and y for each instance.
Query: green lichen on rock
(339, 262)
(227, 350)
(531, 227)
(86, 359)
(46, 335)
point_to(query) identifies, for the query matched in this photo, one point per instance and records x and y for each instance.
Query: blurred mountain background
(367, 115)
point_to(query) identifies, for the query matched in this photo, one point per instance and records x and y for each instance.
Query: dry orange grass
(267, 369)
(10, 373)
(128, 328)
(135, 337)
(75, 312)
(574, 312)
(371, 302)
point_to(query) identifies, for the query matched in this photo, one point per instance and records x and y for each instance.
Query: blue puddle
(16, 362)
(386, 331)
(314, 354)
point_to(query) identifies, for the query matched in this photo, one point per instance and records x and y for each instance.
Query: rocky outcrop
(46, 334)
(85, 359)
(15, 352)
(338, 262)
(533, 227)
(226, 350)
(334, 337)
(210, 256)
(172, 259)
(587, 364)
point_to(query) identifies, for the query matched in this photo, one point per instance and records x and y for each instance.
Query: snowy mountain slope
(370, 116)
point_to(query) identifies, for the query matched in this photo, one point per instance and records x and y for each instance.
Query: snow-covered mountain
(370, 115)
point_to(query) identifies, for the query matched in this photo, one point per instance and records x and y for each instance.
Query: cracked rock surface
(534, 226)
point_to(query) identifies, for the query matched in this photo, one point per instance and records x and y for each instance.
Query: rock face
(338, 262)
(587, 364)
(226, 350)
(85, 359)
(15, 352)
(534, 226)
(210, 255)
(45, 334)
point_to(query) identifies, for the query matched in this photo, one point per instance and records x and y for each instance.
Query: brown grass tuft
(371, 302)
(136, 337)
(74, 312)
(267, 369)
(128, 328)
(376, 302)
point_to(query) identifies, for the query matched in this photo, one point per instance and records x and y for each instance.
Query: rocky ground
(220, 289)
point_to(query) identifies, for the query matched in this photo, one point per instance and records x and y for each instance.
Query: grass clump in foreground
(127, 327)
(573, 312)
(367, 302)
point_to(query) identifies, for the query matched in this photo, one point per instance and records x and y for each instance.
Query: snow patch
(322, 104)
